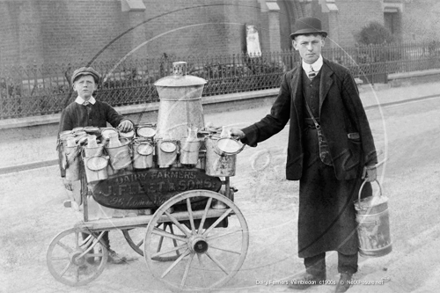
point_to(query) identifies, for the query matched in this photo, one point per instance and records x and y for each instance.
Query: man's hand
(236, 133)
(68, 184)
(125, 126)
(370, 173)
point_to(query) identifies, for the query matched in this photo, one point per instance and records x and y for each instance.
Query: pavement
(40, 151)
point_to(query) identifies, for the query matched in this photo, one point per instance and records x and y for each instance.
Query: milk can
(143, 151)
(221, 155)
(373, 224)
(180, 104)
(119, 152)
(189, 148)
(166, 152)
(93, 149)
(96, 168)
(189, 151)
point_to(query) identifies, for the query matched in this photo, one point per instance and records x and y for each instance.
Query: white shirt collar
(81, 101)
(316, 65)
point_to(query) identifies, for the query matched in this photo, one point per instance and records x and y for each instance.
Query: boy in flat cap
(87, 111)
(330, 151)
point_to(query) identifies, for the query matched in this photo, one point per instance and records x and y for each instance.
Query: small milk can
(93, 149)
(119, 152)
(166, 152)
(143, 151)
(189, 151)
(221, 155)
(96, 168)
(373, 224)
(189, 148)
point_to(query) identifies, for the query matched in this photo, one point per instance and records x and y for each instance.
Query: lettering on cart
(150, 188)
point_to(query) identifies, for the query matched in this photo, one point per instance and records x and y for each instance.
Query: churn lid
(180, 77)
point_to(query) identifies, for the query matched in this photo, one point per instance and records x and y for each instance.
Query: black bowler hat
(308, 25)
(85, 71)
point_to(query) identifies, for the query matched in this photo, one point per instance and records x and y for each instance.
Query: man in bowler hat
(330, 151)
(87, 111)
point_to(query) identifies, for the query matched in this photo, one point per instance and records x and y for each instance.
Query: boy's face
(85, 86)
(309, 47)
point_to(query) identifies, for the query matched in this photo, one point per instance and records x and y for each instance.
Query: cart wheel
(212, 244)
(135, 238)
(76, 257)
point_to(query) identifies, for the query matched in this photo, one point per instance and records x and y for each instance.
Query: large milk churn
(373, 224)
(180, 104)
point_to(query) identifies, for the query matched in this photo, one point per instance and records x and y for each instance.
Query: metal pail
(189, 151)
(143, 151)
(166, 152)
(73, 162)
(373, 224)
(96, 168)
(218, 164)
(120, 157)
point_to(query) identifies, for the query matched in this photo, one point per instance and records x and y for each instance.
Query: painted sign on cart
(151, 188)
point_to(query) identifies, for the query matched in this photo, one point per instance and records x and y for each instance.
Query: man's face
(309, 47)
(85, 86)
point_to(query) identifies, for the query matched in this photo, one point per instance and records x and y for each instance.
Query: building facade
(87, 31)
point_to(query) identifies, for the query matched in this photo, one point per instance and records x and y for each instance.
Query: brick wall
(56, 31)
(71, 31)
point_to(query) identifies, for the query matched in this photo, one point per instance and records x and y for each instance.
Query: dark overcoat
(340, 112)
(326, 219)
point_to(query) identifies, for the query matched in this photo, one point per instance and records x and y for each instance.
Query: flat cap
(85, 71)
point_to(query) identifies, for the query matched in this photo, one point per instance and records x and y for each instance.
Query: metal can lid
(106, 132)
(229, 146)
(146, 131)
(97, 163)
(168, 146)
(145, 149)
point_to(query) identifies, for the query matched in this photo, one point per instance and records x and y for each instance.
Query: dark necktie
(312, 73)
(88, 107)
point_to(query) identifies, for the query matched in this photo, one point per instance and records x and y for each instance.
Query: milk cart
(166, 186)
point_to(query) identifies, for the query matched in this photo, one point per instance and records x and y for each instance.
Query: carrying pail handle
(362, 186)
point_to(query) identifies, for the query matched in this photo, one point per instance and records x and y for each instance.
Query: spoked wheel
(135, 238)
(212, 241)
(76, 257)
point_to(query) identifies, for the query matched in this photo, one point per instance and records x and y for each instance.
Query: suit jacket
(340, 112)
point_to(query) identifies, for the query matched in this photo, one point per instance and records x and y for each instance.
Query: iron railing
(45, 89)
